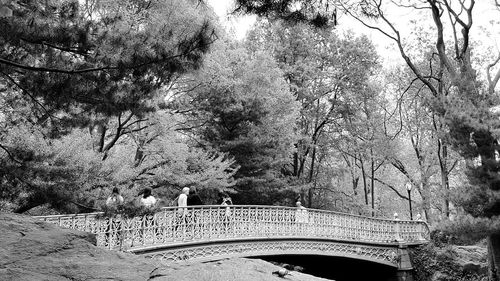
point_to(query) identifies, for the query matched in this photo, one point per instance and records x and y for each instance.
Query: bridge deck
(173, 227)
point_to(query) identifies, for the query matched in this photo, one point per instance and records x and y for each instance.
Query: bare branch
(26, 92)
(465, 26)
(492, 83)
(440, 45)
(74, 50)
(397, 39)
(391, 187)
(10, 154)
(452, 166)
(413, 6)
(128, 131)
(118, 134)
(86, 70)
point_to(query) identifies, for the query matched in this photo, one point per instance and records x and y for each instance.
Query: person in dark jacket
(224, 199)
(193, 198)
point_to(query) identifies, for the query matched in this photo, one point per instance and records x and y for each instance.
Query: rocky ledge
(35, 250)
(450, 263)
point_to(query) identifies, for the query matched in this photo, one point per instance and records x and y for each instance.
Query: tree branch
(391, 187)
(10, 154)
(492, 83)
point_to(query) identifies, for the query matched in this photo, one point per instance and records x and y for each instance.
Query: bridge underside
(216, 250)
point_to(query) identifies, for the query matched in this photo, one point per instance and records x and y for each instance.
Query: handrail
(173, 225)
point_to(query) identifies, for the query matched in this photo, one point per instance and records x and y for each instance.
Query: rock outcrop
(35, 250)
(450, 263)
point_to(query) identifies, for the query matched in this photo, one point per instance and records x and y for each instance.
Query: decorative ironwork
(386, 255)
(171, 226)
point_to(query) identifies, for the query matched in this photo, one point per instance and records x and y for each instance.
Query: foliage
(460, 99)
(329, 75)
(465, 230)
(431, 260)
(73, 59)
(68, 174)
(43, 173)
(291, 11)
(130, 209)
(68, 66)
(240, 105)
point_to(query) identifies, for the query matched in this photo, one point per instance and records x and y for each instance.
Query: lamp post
(408, 187)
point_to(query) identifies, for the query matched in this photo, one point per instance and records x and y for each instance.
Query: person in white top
(115, 199)
(182, 210)
(226, 201)
(147, 200)
(182, 201)
(301, 215)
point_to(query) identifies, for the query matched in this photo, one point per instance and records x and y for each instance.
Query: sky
(485, 27)
(239, 25)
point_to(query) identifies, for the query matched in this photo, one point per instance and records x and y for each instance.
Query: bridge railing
(173, 225)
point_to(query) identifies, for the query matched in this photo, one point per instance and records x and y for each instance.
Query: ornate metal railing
(172, 225)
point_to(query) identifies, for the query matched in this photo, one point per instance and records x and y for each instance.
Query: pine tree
(72, 64)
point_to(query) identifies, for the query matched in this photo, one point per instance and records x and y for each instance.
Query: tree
(366, 140)
(79, 64)
(465, 107)
(240, 105)
(67, 175)
(66, 65)
(326, 73)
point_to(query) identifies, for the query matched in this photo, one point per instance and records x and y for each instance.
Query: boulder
(450, 263)
(472, 259)
(34, 250)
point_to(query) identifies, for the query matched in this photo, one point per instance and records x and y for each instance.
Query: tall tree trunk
(301, 166)
(139, 155)
(445, 185)
(372, 180)
(494, 256)
(98, 134)
(311, 175)
(425, 194)
(353, 172)
(310, 195)
(363, 175)
(295, 164)
(313, 161)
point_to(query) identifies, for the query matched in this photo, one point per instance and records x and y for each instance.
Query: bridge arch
(209, 251)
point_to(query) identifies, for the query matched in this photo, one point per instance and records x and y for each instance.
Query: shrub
(431, 262)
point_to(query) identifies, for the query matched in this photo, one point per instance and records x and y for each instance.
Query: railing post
(210, 222)
(397, 228)
(421, 228)
(108, 232)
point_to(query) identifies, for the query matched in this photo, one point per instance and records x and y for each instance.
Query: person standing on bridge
(226, 201)
(149, 223)
(181, 216)
(193, 198)
(301, 218)
(115, 199)
(182, 204)
(301, 215)
(147, 200)
(183, 199)
(114, 228)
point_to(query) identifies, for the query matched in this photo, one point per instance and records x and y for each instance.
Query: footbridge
(214, 232)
